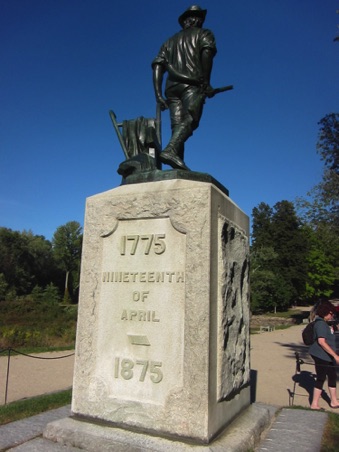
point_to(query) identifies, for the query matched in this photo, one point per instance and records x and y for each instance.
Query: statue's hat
(193, 10)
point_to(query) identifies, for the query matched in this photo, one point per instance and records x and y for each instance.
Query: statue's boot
(174, 151)
(170, 158)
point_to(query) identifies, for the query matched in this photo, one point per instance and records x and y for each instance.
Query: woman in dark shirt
(324, 355)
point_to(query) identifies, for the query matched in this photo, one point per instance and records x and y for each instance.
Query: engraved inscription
(143, 243)
(142, 302)
(126, 369)
(138, 340)
(141, 316)
(144, 277)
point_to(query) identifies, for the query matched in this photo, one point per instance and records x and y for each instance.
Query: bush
(37, 320)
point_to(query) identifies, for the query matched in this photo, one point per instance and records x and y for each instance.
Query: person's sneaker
(169, 158)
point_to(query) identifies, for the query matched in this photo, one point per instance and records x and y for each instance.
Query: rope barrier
(35, 357)
(41, 357)
(9, 350)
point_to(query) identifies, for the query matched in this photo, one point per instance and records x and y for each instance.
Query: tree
(328, 141)
(261, 226)
(320, 276)
(322, 202)
(40, 258)
(322, 261)
(268, 290)
(13, 261)
(25, 260)
(328, 148)
(278, 257)
(67, 243)
(337, 37)
(320, 209)
(3, 286)
(291, 245)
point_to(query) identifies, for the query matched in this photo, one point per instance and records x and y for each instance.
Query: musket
(215, 91)
(201, 96)
(195, 82)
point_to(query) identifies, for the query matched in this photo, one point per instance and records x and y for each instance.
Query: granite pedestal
(163, 329)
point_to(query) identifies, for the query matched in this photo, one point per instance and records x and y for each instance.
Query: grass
(283, 327)
(288, 314)
(29, 407)
(296, 314)
(28, 322)
(330, 439)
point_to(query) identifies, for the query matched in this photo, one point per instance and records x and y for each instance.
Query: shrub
(37, 320)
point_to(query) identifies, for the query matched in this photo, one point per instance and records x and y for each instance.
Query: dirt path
(273, 365)
(273, 362)
(29, 377)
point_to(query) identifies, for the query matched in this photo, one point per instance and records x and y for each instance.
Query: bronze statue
(187, 57)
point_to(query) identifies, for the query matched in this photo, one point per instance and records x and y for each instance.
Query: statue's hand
(163, 103)
(209, 90)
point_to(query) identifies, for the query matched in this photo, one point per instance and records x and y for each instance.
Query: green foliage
(320, 211)
(322, 203)
(268, 292)
(26, 260)
(37, 321)
(14, 260)
(295, 257)
(320, 275)
(40, 258)
(278, 257)
(328, 141)
(67, 245)
(66, 299)
(291, 244)
(51, 294)
(12, 336)
(326, 238)
(263, 279)
(330, 437)
(67, 241)
(261, 226)
(3, 286)
(30, 311)
(22, 409)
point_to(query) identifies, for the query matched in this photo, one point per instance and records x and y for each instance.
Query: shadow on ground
(253, 392)
(305, 378)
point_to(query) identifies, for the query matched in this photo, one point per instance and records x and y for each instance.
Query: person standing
(187, 57)
(323, 352)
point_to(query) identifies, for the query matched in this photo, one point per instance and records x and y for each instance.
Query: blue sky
(66, 63)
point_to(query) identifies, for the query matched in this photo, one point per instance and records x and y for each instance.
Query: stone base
(242, 435)
(163, 322)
